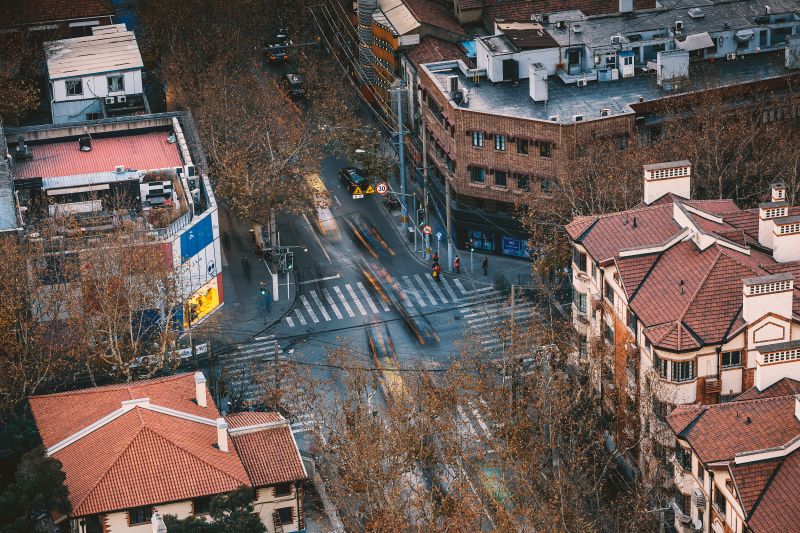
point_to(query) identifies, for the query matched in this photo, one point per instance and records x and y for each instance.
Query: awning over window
(697, 41)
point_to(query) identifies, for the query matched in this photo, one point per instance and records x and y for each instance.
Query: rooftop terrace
(513, 99)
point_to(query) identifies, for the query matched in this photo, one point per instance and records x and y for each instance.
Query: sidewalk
(245, 313)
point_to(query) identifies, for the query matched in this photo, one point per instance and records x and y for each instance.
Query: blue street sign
(438, 235)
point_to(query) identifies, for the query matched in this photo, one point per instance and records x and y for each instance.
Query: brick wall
(455, 139)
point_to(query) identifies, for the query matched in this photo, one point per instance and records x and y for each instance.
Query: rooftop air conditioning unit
(577, 28)
(696, 13)
(678, 26)
(616, 39)
(731, 56)
(110, 100)
(122, 99)
(577, 118)
(583, 82)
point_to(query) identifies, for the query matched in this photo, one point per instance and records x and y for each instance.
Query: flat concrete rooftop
(513, 99)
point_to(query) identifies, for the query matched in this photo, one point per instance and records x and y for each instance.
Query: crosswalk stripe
(425, 289)
(289, 321)
(265, 338)
(347, 307)
(460, 286)
(332, 304)
(467, 420)
(367, 298)
(321, 307)
(355, 299)
(411, 290)
(384, 305)
(310, 311)
(436, 284)
(449, 289)
(479, 419)
(300, 316)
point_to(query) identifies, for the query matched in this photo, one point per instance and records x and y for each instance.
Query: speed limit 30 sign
(381, 188)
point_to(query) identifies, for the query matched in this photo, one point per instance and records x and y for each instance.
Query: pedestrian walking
(435, 258)
(485, 266)
(246, 267)
(457, 264)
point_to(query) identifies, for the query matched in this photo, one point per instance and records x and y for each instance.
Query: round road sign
(427, 230)
(438, 235)
(381, 188)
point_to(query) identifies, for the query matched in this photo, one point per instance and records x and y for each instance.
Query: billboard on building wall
(199, 235)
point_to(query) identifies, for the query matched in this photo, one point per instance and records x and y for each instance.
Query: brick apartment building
(680, 301)
(541, 89)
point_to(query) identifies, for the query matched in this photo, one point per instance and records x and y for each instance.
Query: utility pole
(449, 223)
(401, 88)
(425, 186)
(277, 378)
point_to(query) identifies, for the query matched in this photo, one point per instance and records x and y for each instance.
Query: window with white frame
(660, 366)
(477, 139)
(116, 83)
(500, 143)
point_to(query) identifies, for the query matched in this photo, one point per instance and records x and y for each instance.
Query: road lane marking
(425, 289)
(449, 289)
(317, 301)
(411, 290)
(316, 238)
(435, 284)
(344, 302)
(355, 299)
(335, 199)
(327, 278)
(386, 308)
(310, 311)
(478, 417)
(290, 321)
(467, 420)
(300, 316)
(332, 304)
(366, 296)
(267, 338)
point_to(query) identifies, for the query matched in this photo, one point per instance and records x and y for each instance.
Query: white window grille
(781, 356)
(766, 288)
(788, 229)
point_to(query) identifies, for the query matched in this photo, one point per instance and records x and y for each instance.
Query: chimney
(537, 78)
(222, 435)
(778, 192)
(767, 294)
(797, 406)
(200, 389)
(664, 178)
(786, 239)
(625, 6)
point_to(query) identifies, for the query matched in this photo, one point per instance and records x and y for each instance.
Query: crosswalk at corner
(488, 315)
(349, 300)
(303, 423)
(242, 366)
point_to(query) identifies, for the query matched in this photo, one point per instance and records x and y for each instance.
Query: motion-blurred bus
(324, 220)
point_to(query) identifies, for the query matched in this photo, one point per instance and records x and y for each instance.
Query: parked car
(351, 178)
(293, 84)
(278, 47)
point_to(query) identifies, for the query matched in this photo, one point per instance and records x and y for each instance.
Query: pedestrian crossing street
(487, 317)
(241, 368)
(350, 300)
(473, 427)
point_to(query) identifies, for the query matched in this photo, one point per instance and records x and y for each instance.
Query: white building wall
(266, 504)
(96, 86)
(118, 522)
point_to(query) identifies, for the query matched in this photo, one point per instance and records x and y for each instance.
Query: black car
(278, 47)
(293, 84)
(352, 178)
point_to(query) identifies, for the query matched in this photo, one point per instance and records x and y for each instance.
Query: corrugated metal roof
(146, 151)
(96, 178)
(399, 16)
(106, 51)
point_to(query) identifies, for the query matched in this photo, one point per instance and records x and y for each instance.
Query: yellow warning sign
(369, 190)
(357, 191)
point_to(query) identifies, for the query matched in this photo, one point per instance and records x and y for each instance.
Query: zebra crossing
(350, 300)
(473, 426)
(241, 367)
(487, 315)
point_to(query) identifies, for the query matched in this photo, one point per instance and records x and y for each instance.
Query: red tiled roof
(682, 416)
(147, 457)
(265, 455)
(782, 387)
(433, 14)
(139, 152)
(252, 418)
(751, 478)
(29, 12)
(685, 297)
(430, 50)
(778, 510)
(718, 432)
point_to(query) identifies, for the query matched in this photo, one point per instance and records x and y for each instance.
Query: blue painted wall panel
(196, 238)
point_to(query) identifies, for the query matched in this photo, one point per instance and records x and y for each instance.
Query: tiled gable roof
(778, 509)
(632, 271)
(720, 431)
(265, 458)
(433, 14)
(146, 455)
(782, 387)
(750, 480)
